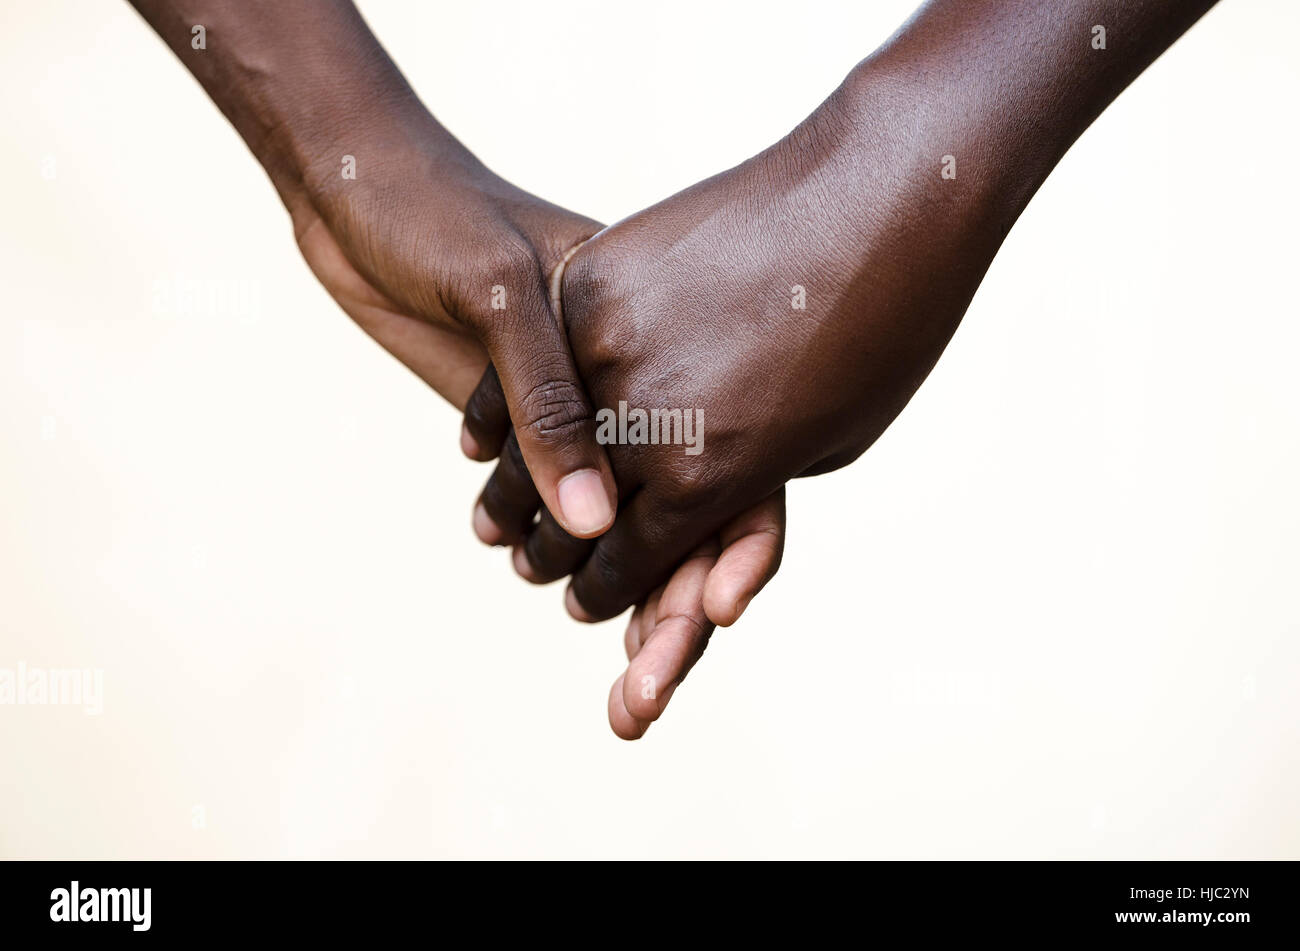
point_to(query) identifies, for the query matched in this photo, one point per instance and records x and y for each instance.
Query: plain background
(1052, 613)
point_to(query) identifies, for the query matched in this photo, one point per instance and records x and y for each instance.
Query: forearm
(925, 157)
(304, 82)
(888, 204)
(1005, 87)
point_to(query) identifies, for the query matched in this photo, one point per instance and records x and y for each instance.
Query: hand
(440, 259)
(669, 633)
(799, 300)
(447, 361)
(794, 303)
(399, 260)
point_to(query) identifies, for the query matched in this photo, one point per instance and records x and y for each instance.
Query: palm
(450, 362)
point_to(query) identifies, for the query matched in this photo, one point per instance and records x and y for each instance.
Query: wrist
(959, 152)
(305, 83)
(345, 161)
(337, 127)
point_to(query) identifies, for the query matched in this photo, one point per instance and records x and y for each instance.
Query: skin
(304, 82)
(848, 205)
(426, 247)
(688, 303)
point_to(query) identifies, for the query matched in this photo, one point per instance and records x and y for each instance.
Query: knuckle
(475, 413)
(511, 511)
(591, 285)
(692, 486)
(494, 496)
(608, 307)
(504, 282)
(552, 552)
(599, 589)
(512, 457)
(500, 513)
(511, 478)
(544, 569)
(582, 278)
(512, 471)
(555, 410)
(514, 259)
(482, 414)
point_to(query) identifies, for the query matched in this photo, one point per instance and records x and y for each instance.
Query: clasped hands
(788, 307)
(778, 302)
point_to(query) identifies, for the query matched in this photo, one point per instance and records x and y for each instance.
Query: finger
(637, 554)
(624, 725)
(629, 560)
(641, 623)
(632, 636)
(548, 552)
(487, 419)
(552, 417)
(679, 635)
(752, 545)
(504, 512)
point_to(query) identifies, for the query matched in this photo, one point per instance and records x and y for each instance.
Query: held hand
(447, 266)
(402, 223)
(674, 629)
(668, 631)
(792, 305)
(430, 342)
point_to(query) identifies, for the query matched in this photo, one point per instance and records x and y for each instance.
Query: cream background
(1051, 614)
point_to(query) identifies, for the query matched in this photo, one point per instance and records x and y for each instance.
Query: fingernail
(583, 503)
(468, 444)
(484, 527)
(522, 567)
(575, 609)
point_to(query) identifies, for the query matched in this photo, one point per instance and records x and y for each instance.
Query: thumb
(552, 416)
